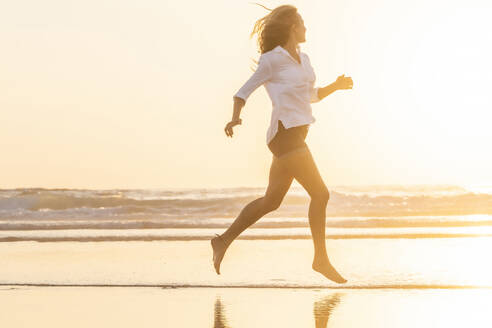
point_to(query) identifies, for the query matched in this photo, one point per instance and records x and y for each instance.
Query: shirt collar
(281, 49)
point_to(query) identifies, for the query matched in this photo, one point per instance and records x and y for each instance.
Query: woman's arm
(329, 89)
(259, 77)
(342, 82)
(238, 105)
(262, 74)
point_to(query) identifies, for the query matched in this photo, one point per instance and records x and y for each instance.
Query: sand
(264, 283)
(241, 307)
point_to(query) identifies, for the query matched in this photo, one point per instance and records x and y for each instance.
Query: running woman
(289, 80)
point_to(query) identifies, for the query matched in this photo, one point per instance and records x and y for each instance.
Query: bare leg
(278, 185)
(302, 166)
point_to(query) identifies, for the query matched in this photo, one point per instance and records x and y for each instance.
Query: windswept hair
(273, 29)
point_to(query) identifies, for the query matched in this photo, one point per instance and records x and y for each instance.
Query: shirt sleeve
(262, 74)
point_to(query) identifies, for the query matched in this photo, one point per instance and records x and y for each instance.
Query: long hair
(273, 29)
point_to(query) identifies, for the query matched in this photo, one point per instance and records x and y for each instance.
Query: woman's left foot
(326, 269)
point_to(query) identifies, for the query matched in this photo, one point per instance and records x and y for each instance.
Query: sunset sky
(127, 94)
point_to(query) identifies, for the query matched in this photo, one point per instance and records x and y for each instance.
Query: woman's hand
(344, 82)
(228, 128)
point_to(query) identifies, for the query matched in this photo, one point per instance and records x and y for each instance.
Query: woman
(289, 79)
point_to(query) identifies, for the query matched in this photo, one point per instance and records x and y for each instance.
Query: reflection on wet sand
(219, 316)
(322, 311)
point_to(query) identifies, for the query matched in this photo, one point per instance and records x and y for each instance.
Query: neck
(291, 46)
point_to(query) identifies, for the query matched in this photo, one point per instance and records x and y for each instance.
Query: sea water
(194, 214)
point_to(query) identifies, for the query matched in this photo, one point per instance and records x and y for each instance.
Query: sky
(125, 94)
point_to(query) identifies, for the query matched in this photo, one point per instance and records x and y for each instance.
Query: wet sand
(366, 263)
(241, 307)
(444, 282)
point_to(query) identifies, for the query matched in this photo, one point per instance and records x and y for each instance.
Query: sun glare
(450, 74)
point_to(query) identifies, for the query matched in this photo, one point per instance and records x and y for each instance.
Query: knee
(271, 204)
(322, 195)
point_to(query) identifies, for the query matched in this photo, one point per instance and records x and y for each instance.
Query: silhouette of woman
(289, 80)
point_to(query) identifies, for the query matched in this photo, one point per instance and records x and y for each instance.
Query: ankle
(321, 257)
(225, 240)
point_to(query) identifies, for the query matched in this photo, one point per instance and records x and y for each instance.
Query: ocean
(195, 214)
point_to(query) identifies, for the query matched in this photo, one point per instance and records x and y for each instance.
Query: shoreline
(308, 287)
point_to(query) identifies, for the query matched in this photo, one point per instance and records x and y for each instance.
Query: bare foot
(219, 248)
(326, 269)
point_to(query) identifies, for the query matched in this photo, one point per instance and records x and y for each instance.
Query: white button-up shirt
(289, 85)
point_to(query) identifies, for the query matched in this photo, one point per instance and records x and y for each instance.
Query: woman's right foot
(324, 267)
(219, 248)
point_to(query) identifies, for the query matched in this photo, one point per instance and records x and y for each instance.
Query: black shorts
(289, 139)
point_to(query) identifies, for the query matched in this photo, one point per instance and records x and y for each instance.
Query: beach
(135, 132)
(263, 283)
(365, 263)
(242, 307)
(413, 256)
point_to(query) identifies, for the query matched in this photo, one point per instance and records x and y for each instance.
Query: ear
(293, 27)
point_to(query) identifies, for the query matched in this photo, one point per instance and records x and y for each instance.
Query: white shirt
(289, 85)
